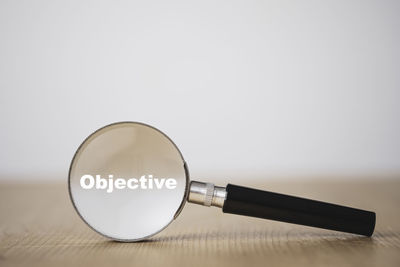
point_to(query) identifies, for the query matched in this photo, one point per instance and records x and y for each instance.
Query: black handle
(279, 207)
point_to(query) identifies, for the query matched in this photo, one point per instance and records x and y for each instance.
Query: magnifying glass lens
(128, 181)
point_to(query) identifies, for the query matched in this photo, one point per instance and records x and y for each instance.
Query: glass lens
(128, 181)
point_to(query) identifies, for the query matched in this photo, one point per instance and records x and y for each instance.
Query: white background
(286, 88)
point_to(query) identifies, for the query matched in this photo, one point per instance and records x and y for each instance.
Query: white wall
(281, 87)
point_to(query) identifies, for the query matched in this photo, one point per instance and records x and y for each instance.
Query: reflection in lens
(127, 181)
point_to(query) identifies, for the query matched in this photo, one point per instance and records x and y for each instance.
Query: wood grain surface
(39, 227)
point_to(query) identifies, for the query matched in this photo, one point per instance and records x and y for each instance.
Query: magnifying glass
(128, 181)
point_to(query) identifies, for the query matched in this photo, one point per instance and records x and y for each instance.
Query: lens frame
(179, 209)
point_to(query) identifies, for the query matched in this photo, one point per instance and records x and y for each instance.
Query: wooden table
(39, 227)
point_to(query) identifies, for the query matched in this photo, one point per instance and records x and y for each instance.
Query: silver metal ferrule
(206, 194)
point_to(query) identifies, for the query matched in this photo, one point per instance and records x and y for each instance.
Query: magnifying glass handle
(268, 205)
